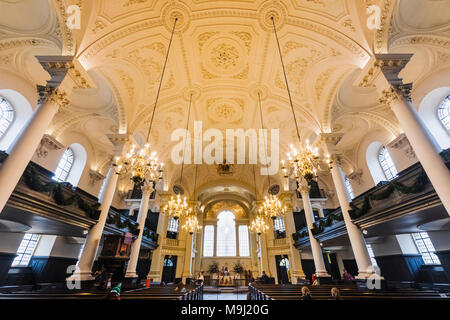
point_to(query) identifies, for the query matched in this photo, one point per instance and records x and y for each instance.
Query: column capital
(147, 190)
(119, 141)
(304, 188)
(50, 94)
(331, 139)
(396, 94)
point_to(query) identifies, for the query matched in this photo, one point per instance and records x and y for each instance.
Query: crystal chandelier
(305, 164)
(191, 224)
(272, 207)
(177, 207)
(142, 164)
(259, 225)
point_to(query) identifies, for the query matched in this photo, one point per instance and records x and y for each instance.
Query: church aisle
(224, 296)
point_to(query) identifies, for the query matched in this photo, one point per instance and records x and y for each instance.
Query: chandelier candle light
(258, 225)
(191, 223)
(142, 164)
(271, 207)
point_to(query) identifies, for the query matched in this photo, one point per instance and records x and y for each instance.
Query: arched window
(444, 113)
(387, 164)
(226, 234)
(64, 166)
(6, 116)
(244, 245)
(279, 228)
(208, 241)
(349, 188)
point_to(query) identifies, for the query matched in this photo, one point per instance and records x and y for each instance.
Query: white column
(237, 240)
(92, 242)
(157, 258)
(420, 138)
(264, 253)
(136, 246)
(294, 256)
(315, 246)
(25, 145)
(187, 268)
(355, 235)
(425, 147)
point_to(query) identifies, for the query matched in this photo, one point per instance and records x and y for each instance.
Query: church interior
(225, 150)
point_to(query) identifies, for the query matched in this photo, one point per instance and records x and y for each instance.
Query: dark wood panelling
(5, 263)
(308, 268)
(444, 257)
(51, 269)
(400, 267)
(143, 267)
(351, 266)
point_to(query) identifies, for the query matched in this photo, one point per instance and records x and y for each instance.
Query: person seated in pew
(315, 279)
(335, 294)
(200, 279)
(264, 278)
(347, 277)
(180, 287)
(306, 294)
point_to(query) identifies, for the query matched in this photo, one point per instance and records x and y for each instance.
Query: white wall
(440, 240)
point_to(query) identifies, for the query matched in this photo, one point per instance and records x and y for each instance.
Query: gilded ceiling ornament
(225, 56)
(177, 10)
(271, 9)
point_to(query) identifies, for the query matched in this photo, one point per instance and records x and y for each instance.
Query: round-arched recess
(372, 153)
(79, 162)
(428, 111)
(22, 112)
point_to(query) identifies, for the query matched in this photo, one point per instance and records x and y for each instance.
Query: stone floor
(225, 296)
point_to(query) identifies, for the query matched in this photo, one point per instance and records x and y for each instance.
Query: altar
(225, 281)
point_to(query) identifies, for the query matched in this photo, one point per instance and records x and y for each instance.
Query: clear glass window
(64, 166)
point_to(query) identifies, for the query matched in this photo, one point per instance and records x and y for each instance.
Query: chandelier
(259, 225)
(225, 169)
(272, 207)
(142, 164)
(177, 207)
(191, 224)
(305, 164)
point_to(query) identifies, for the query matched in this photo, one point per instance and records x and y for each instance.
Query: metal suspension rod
(286, 80)
(185, 138)
(162, 77)
(265, 146)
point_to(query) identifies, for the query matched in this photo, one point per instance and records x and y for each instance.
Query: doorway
(282, 269)
(169, 269)
(331, 265)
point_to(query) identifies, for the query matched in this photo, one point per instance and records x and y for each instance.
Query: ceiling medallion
(272, 9)
(176, 10)
(225, 110)
(224, 56)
